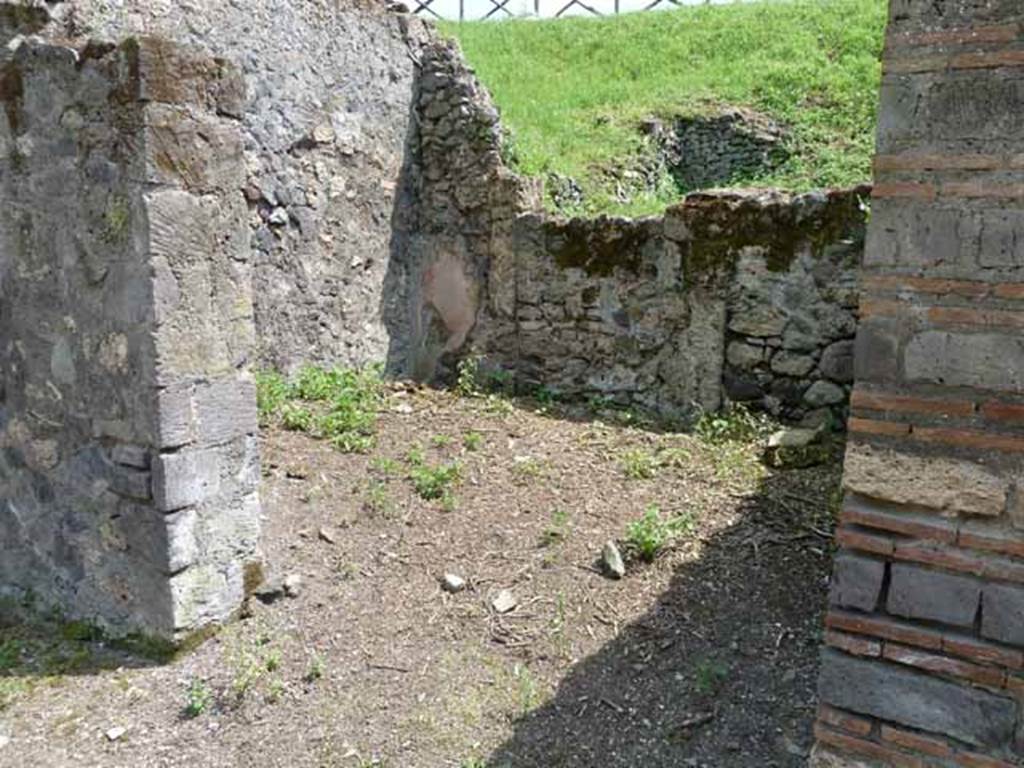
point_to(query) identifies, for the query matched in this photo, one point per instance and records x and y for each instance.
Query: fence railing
(479, 10)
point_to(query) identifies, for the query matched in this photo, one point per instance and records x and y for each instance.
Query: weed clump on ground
(648, 536)
(434, 482)
(338, 405)
(734, 424)
(198, 698)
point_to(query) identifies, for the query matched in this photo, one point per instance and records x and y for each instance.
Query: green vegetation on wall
(574, 91)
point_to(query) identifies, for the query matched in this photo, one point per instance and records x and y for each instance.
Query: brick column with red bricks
(924, 656)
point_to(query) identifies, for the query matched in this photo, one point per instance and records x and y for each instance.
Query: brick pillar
(128, 459)
(924, 657)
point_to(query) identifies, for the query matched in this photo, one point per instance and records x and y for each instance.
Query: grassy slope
(572, 91)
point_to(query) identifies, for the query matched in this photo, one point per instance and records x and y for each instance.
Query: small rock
(504, 602)
(325, 535)
(453, 583)
(796, 449)
(279, 217)
(4, 741)
(292, 585)
(116, 733)
(269, 591)
(611, 559)
(323, 134)
(823, 393)
(793, 438)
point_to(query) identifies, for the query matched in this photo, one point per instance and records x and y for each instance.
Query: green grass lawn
(573, 91)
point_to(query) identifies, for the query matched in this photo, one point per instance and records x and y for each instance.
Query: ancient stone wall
(329, 148)
(746, 296)
(925, 636)
(456, 270)
(714, 150)
(128, 458)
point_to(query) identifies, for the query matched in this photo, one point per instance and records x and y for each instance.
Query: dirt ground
(705, 657)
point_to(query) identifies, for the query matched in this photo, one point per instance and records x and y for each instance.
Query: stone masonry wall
(457, 272)
(329, 147)
(128, 461)
(714, 150)
(749, 296)
(925, 657)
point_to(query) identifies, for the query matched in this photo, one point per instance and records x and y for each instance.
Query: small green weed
(638, 464)
(649, 535)
(736, 463)
(472, 441)
(378, 499)
(527, 690)
(198, 698)
(248, 671)
(441, 441)
(316, 669)
(385, 466)
(735, 424)
(434, 482)
(415, 457)
(467, 381)
(497, 405)
(545, 396)
(525, 468)
(500, 381)
(296, 417)
(557, 529)
(271, 395)
(275, 690)
(709, 676)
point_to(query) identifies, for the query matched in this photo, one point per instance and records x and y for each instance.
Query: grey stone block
(1002, 613)
(876, 356)
(983, 360)
(1002, 239)
(822, 393)
(857, 582)
(130, 482)
(130, 455)
(791, 364)
(226, 409)
(837, 362)
(176, 418)
(182, 545)
(916, 700)
(922, 593)
(185, 479)
(744, 356)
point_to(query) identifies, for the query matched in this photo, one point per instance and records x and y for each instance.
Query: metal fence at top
(479, 10)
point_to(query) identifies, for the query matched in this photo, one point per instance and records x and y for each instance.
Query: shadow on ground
(721, 670)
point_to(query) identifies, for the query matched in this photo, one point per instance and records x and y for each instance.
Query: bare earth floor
(707, 657)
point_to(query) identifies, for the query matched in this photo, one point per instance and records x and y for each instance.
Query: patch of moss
(720, 228)
(598, 246)
(116, 219)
